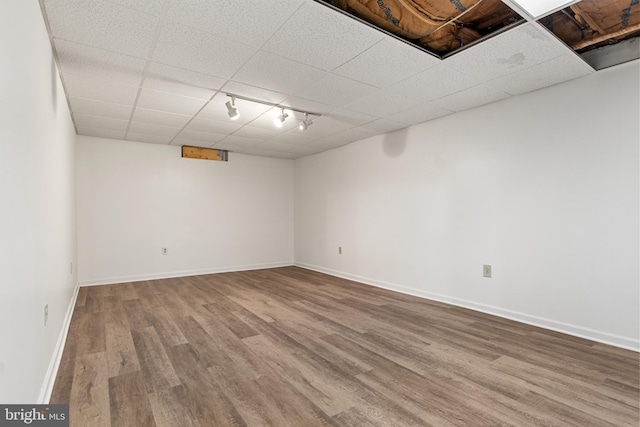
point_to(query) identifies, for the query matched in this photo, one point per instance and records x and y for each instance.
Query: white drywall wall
(135, 198)
(543, 186)
(37, 204)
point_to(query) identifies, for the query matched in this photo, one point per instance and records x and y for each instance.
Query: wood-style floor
(291, 347)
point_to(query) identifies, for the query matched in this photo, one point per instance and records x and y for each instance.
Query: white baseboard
(184, 273)
(577, 331)
(54, 364)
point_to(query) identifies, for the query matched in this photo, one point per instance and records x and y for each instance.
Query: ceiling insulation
(591, 24)
(439, 26)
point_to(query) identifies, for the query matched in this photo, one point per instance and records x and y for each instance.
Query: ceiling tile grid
(102, 24)
(99, 64)
(549, 73)
(195, 50)
(160, 71)
(251, 22)
(511, 51)
(318, 36)
(379, 65)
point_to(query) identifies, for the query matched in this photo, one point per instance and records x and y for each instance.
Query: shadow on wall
(394, 143)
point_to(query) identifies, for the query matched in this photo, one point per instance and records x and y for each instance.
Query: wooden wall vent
(190, 152)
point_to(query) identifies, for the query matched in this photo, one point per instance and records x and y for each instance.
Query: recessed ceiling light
(538, 8)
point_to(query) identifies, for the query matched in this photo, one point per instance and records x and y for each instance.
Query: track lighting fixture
(304, 124)
(279, 120)
(232, 111)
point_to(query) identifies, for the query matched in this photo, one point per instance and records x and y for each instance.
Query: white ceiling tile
(351, 117)
(469, 98)
(83, 120)
(294, 138)
(433, 83)
(223, 146)
(217, 110)
(203, 137)
(249, 21)
(336, 90)
(557, 70)
(511, 51)
(160, 118)
(253, 92)
(383, 103)
(99, 108)
(277, 73)
(342, 138)
(290, 148)
(198, 51)
(420, 113)
(153, 139)
(151, 129)
(166, 78)
(387, 62)
(381, 126)
(256, 151)
(169, 102)
(192, 142)
(101, 133)
(153, 7)
(307, 105)
(261, 133)
(102, 24)
(99, 64)
(238, 141)
(318, 36)
(214, 126)
(85, 87)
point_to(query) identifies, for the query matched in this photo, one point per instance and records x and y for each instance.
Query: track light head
(279, 120)
(304, 124)
(232, 111)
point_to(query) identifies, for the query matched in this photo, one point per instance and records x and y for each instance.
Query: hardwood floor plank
(293, 347)
(169, 408)
(129, 401)
(121, 353)
(90, 392)
(203, 398)
(157, 370)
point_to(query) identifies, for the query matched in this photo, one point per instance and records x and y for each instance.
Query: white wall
(544, 187)
(37, 203)
(135, 198)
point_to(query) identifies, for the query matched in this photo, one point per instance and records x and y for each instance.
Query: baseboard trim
(54, 364)
(184, 273)
(577, 331)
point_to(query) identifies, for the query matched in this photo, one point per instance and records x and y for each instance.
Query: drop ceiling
(159, 71)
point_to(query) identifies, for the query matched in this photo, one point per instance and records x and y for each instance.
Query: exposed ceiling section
(159, 71)
(594, 24)
(440, 27)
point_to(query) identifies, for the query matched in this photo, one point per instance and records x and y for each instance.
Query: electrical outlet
(340, 250)
(486, 270)
(165, 251)
(46, 314)
(71, 268)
